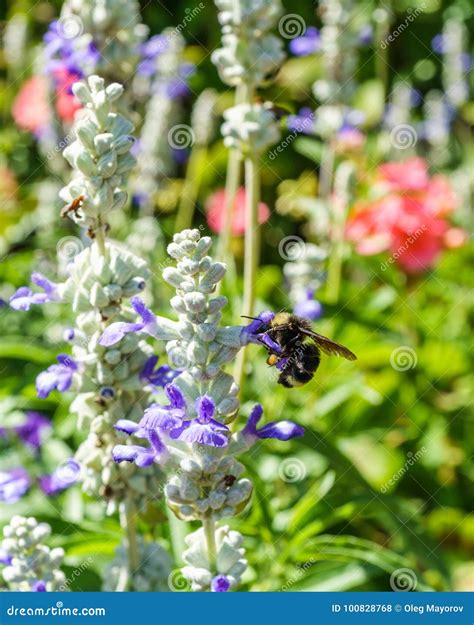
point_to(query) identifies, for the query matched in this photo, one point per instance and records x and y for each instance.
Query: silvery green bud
(230, 558)
(32, 562)
(249, 128)
(99, 155)
(151, 575)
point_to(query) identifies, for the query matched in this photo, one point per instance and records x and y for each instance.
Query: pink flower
(440, 198)
(30, 109)
(216, 207)
(404, 176)
(66, 102)
(409, 221)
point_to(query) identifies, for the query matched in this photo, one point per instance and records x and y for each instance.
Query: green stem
(210, 534)
(252, 245)
(340, 205)
(231, 187)
(326, 170)
(178, 532)
(184, 218)
(243, 95)
(100, 239)
(127, 521)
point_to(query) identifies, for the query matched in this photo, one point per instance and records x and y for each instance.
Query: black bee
(300, 348)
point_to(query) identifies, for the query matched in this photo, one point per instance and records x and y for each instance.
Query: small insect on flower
(73, 207)
(295, 349)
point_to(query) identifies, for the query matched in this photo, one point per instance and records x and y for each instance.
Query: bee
(74, 206)
(296, 350)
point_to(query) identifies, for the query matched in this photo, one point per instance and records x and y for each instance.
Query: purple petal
(145, 313)
(175, 396)
(255, 416)
(205, 434)
(50, 288)
(13, 484)
(220, 583)
(127, 426)
(141, 456)
(33, 429)
(4, 557)
(67, 362)
(157, 444)
(39, 586)
(281, 430)
(116, 331)
(205, 408)
(164, 417)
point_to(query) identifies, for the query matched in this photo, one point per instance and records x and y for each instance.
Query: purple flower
(366, 34)
(308, 307)
(33, 429)
(56, 377)
(141, 456)
(281, 430)
(39, 586)
(65, 53)
(309, 43)
(64, 476)
(161, 376)
(68, 334)
(204, 429)
(302, 122)
(220, 583)
(167, 417)
(438, 44)
(4, 557)
(13, 484)
(116, 331)
(24, 297)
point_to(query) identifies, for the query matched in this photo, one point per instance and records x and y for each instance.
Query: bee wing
(330, 347)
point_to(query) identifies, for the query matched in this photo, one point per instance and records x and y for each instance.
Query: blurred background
(366, 214)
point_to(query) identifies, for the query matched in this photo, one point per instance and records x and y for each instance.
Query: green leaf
(310, 148)
(369, 99)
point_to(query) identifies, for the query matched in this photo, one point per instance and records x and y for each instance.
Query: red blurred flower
(30, 109)
(216, 207)
(409, 221)
(66, 102)
(403, 176)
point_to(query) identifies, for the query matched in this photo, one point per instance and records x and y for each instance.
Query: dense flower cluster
(189, 436)
(30, 564)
